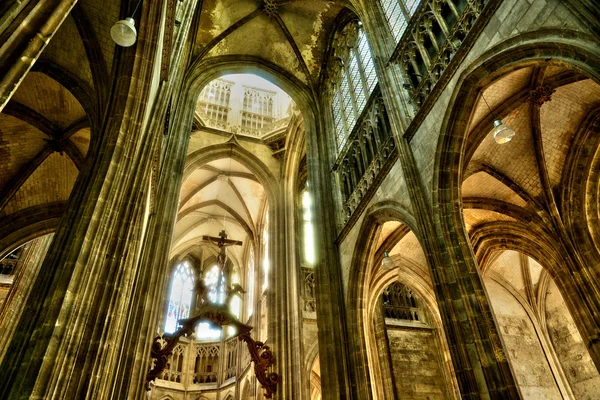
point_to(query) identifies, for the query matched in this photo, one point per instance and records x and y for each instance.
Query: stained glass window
(357, 81)
(250, 285)
(358, 88)
(338, 121)
(411, 6)
(216, 294)
(398, 13)
(180, 296)
(308, 231)
(367, 62)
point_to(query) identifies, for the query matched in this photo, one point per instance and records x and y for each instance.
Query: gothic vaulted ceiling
(513, 182)
(222, 194)
(45, 128)
(291, 34)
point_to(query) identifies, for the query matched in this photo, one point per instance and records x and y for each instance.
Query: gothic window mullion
(397, 17)
(351, 94)
(344, 117)
(361, 70)
(404, 10)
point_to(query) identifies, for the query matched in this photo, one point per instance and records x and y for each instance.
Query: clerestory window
(398, 13)
(357, 80)
(307, 227)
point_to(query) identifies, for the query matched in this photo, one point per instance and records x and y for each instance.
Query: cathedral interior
(300, 199)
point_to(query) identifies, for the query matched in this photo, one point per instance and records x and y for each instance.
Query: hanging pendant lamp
(387, 262)
(123, 32)
(502, 132)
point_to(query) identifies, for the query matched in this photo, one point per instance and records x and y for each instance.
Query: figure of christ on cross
(222, 242)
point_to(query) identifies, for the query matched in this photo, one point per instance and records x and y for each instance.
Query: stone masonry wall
(568, 344)
(415, 363)
(523, 348)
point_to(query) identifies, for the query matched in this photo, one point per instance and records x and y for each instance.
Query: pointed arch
(576, 49)
(362, 261)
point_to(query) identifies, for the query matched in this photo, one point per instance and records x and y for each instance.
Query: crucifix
(218, 315)
(222, 243)
(230, 290)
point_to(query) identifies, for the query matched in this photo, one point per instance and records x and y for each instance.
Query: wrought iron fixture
(217, 315)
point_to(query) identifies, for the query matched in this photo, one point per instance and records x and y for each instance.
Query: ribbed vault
(297, 30)
(221, 194)
(547, 105)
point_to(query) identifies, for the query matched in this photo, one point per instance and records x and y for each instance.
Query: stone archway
(457, 147)
(366, 282)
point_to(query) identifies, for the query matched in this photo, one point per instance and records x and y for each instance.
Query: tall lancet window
(307, 228)
(250, 280)
(357, 79)
(266, 261)
(180, 296)
(398, 13)
(216, 294)
(235, 304)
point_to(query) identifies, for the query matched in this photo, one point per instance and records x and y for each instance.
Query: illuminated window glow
(357, 82)
(180, 297)
(308, 231)
(216, 294)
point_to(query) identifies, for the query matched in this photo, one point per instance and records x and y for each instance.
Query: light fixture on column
(502, 133)
(387, 262)
(123, 32)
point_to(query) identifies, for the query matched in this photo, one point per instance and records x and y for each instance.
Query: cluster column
(31, 25)
(72, 336)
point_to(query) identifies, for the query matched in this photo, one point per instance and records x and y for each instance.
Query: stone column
(388, 384)
(479, 361)
(285, 313)
(31, 25)
(283, 300)
(73, 330)
(25, 275)
(337, 382)
(150, 286)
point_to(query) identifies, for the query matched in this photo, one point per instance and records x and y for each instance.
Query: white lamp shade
(387, 262)
(123, 32)
(502, 133)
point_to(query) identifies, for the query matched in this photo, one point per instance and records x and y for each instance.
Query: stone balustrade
(367, 154)
(198, 365)
(430, 42)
